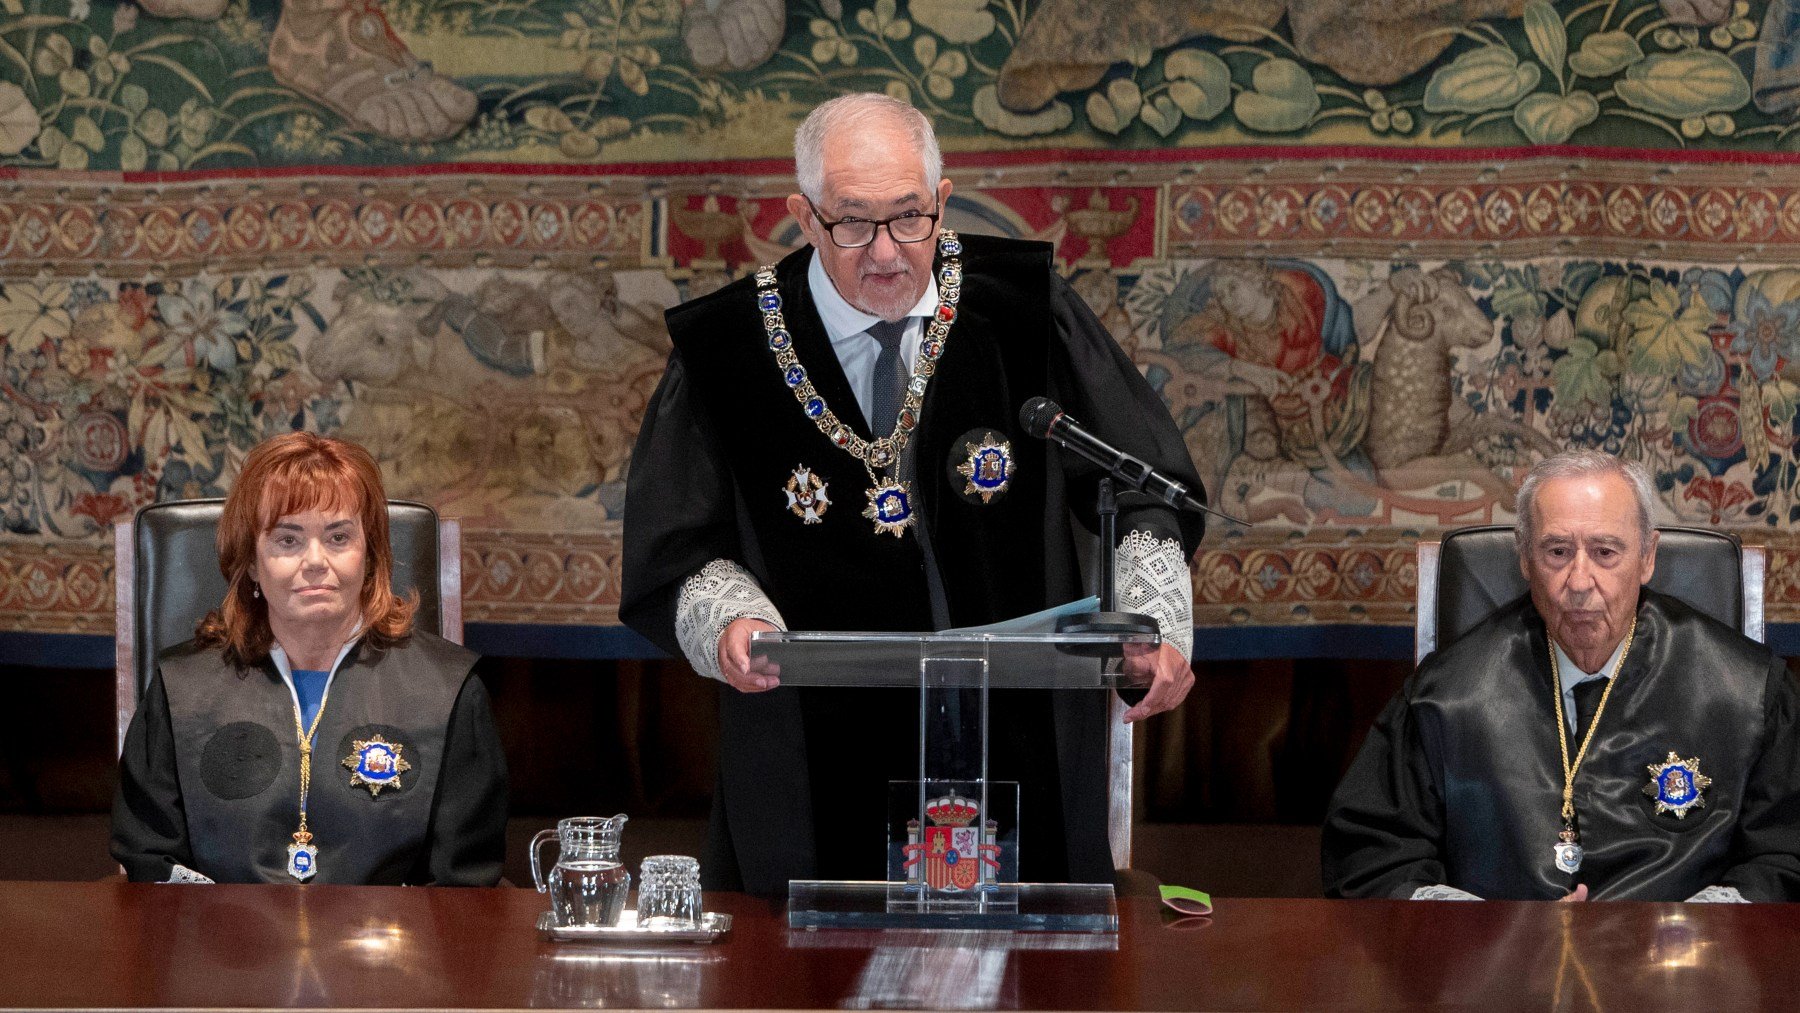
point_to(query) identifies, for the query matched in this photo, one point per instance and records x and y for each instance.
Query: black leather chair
(1474, 571)
(167, 578)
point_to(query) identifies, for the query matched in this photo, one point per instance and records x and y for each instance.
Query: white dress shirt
(1572, 676)
(848, 329)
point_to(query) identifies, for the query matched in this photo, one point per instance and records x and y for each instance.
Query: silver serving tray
(713, 927)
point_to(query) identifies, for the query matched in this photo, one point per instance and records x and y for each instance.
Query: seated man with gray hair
(1594, 739)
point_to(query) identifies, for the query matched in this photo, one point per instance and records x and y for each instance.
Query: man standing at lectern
(835, 446)
(1593, 740)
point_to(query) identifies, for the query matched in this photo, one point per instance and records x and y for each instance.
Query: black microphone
(1045, 419)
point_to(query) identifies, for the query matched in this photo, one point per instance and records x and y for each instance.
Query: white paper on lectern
(1036, 622)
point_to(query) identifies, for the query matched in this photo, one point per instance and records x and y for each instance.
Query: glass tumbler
(669, 892)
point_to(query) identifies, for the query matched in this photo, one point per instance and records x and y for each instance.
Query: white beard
(890, 307)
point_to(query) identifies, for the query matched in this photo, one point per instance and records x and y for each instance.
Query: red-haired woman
(309, 733)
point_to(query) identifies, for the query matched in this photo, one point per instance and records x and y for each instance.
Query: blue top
(309, 685)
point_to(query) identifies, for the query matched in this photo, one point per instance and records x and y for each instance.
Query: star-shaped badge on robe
(988, 468)
(375, 763)
(1676, 785)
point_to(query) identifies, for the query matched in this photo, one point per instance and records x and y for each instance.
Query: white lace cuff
(721, 592)
(1718, 895)
(1153, 580)
(183, 874)
(1441, 892)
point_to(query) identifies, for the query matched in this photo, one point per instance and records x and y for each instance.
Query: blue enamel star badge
(376, 763)
(890, 507)
(988, 467)
(1676, 785)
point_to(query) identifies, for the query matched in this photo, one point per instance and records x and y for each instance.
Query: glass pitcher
(588, 885)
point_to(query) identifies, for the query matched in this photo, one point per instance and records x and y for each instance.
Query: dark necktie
(888, 379)
(1587, 701)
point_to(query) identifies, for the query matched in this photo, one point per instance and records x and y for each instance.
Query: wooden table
(119, 945)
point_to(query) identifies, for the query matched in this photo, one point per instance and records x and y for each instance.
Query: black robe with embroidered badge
(803, 771)
(210, 775)
(1460, 781)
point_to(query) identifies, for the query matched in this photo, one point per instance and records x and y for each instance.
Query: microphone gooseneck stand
(1107, 619)
(1044, 419)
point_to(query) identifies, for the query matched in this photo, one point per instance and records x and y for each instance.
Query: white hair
(1582, 464)
(849, 113)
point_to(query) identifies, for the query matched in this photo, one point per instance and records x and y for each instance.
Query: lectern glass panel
(952, 838)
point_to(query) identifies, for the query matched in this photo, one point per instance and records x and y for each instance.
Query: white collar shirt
(1572, 676)
(848, 329)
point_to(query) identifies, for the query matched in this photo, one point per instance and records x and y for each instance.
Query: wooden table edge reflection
(111, 945)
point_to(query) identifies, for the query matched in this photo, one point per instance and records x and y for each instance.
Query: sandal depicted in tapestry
(344, 55)
(199, 10)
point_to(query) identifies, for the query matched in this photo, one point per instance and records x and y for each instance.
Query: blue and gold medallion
(988, 469)
(1676, 785)
(303, 857)
(375, 763)
(890, 507)
(1568, 851)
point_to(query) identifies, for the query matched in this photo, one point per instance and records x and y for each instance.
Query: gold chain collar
(882, 452)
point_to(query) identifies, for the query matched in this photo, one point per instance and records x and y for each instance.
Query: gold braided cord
(1562, 736)
(303, 835)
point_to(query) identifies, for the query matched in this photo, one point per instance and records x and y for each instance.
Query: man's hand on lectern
(1168, 675)
(747, 674)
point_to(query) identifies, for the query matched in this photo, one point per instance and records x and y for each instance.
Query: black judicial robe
(803, 771)
(1460, 781)
(210, 774)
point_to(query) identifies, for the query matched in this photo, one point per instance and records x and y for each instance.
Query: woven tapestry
(1378, 258)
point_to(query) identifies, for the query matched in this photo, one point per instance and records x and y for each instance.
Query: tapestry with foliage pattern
(1378, 257)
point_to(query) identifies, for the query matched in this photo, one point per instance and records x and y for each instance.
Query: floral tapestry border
(532, 579)
(1294, 206)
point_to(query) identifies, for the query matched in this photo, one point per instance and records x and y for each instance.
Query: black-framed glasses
(852, 233)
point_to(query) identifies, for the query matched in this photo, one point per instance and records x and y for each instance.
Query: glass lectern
(953, 842)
